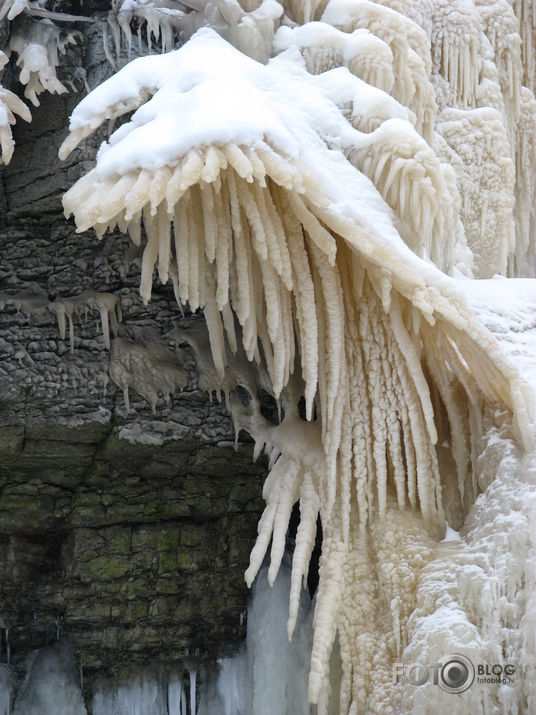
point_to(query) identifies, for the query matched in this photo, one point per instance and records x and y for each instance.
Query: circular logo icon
(457, 674)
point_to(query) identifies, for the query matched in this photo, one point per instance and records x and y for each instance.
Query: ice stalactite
(250, 29)
(143, 695)
(455, 49)
(9, 9)
(501, 29)
(410, 49)
(107, 304)
(477, 59)
(525, 189)
(176, 696)
(150, 693)
(37, 44)
(162, 23)
(238, 369)
(525, 14)
(325, 47)
(10, 105)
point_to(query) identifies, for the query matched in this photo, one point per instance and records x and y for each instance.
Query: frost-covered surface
(508, 309)
(476, 595)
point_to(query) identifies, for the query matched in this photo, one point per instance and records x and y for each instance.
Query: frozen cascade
(257, 214)
(176, 696)
(269, 676)
(51, 684)
(144, 696)
(193, 685)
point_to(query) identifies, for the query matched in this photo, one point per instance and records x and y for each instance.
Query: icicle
(175, 692)
(193, 686)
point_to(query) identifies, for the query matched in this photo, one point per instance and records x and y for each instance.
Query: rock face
(128, 533)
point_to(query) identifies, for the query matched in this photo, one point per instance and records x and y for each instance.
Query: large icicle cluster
(302, 204)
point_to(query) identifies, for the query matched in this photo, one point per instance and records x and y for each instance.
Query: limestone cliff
(127, 532)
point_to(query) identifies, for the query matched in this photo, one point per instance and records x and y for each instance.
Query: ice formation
(162, 693)
(7, 689)
(9, 9)
(51, 684)
(146, 365)
(37, 44)
(107, 304)
(322, 212)
(250, 26)
(10, 105)
(146, 695)
(25, 303)
(269, 676)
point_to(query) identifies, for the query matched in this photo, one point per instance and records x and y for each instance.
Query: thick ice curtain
(380, 357)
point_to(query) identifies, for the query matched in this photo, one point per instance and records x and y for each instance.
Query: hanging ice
(269, 677)
(10, 105)
(7, 689)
